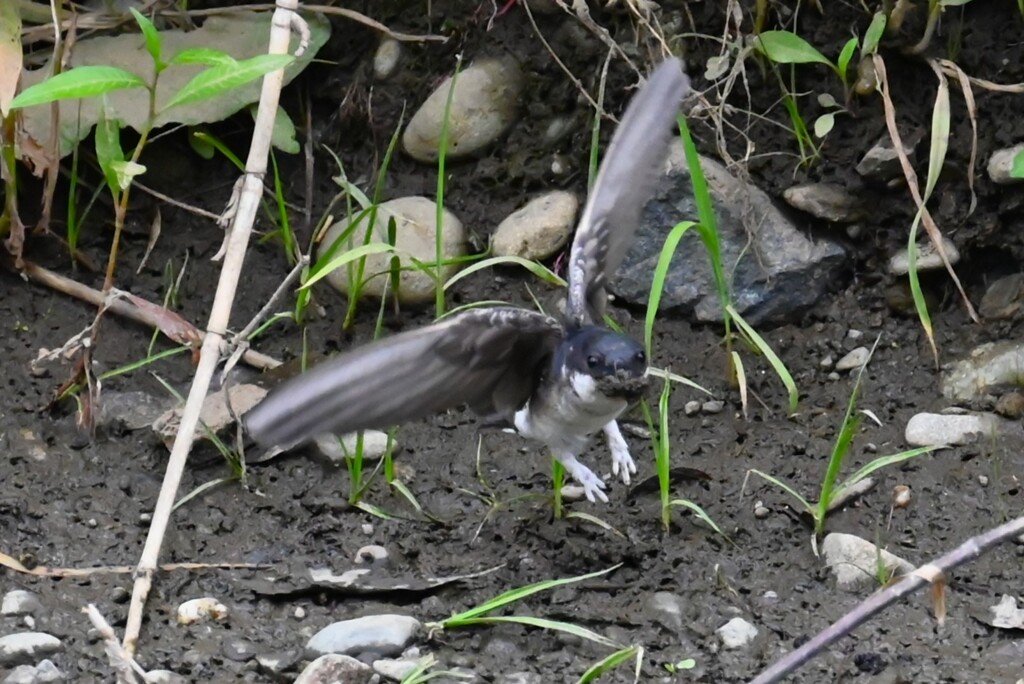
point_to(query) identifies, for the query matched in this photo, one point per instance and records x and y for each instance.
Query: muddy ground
(68, 501)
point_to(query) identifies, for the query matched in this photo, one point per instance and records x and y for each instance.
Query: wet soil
(74, 502)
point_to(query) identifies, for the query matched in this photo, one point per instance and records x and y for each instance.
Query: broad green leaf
(151, 35)
(824, 124)
(282, 137)
(11, 54)
(1017, 168)
(874, 34)
(215, 80)
(785, 47)
(85, 81)
(125, 171)
(206, 56)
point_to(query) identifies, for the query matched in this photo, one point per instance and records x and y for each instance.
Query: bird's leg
(593, 486)
(621, 460)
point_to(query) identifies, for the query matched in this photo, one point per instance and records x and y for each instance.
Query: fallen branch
(173, 326)
(931, 573)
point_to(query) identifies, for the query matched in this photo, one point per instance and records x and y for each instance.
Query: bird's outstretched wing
(624, 182)
(486, 358)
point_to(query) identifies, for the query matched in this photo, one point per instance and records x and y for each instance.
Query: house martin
(558, 382)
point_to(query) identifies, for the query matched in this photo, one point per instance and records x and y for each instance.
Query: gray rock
(854, 360)
(20, 602)
(238, 650)
(1001, 162)
(1004, 298)
(338, 448)
(571, 492)
(386, 58)
(928, 258)
(132, 410)
(395, 669)
(1006, 614)
(934, 429)
(990, 365)
(539, 229)
(829, 202)
(335, 669)
(881, 163)
(164, 677)
(371, 553)
(666, 609)
(713, 406)
(27, 647)
(736, 633)
(692, 407)
(42, 673)
(855, 561)
(382, 634)
(278, 662)
(776, 271)
(415, 238)
(520, 678)
(483, 106)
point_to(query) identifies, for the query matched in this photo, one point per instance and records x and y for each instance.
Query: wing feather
(463, 360)
(624, 182)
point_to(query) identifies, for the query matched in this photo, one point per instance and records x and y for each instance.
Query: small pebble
(827, 362)
(571, 492)
(761, 511)
(983, 480)
(367, 529)
(900, 496)
(385, 60)
(201, 609)
(1011, 405)
(691, 408)
(854, 360)
(713, 406)
(854, 334)
(736, 633)
(928, 258)
(371, 553)
(299, 613)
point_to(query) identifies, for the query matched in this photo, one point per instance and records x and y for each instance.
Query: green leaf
(345, 258)
(785, 47)
(543, 623)
(108, 149)
(769, 353)
(668, 250)
(83, 81)
(873, 36)
(151, 35)
(206, 56)
(843, 63)
(514, 595)
(824, 124)
(785, 487)
(610, 662)
(537, 269)
(215, 80)
(125, 171)
(882, 462)
(1017, 168)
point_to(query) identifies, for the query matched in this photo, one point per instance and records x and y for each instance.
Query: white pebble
(200, 609)
(854, 360)
(385, 60)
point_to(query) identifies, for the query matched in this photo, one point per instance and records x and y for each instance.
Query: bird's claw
(593, 486)
(622, 461)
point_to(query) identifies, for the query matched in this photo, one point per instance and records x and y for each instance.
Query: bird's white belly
(571, 417)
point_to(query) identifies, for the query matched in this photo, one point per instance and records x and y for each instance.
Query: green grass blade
(884, 461)
(678, 379)
(663, 455)
(594, 520)
(514, 595)
(346, 258)
(610, 662)
(534, 267)
(702, 514)
(442, 154)
(776, 363)
(668, 250)
(543, 623)
(784, 487)
(873, 36)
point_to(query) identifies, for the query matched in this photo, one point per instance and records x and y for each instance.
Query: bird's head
(616, 363)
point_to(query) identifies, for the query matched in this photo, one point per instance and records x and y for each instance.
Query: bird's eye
(592, 361)
(640, 357)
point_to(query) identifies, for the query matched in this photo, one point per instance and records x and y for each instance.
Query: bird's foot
(621, 460)
(593, 486)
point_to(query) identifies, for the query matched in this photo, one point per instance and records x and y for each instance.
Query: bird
(554, 380)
